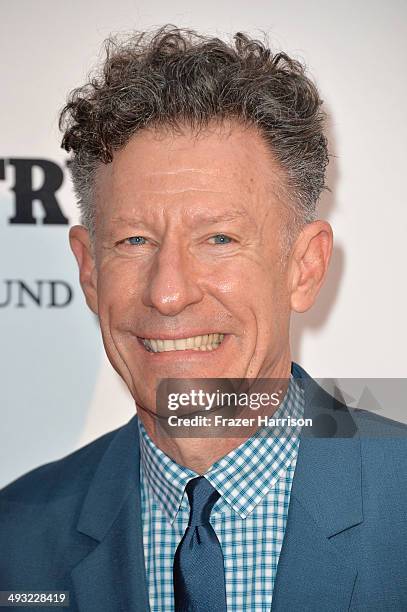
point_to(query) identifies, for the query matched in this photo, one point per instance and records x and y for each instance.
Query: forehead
(226, 165)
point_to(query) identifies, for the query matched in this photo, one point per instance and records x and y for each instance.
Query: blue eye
(222, 239)
(137, 240)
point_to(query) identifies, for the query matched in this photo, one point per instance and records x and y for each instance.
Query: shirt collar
(242, 477)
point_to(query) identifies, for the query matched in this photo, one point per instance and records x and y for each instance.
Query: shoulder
(39, 512)
(383, 446)
(333, 418)
(64, 479)
(376, 425)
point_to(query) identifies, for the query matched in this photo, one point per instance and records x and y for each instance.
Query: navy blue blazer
(75, 524)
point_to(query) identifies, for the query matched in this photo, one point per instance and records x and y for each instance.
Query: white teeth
(154, 345)
(169, 345)
(198, 341)
(190, 343)
(180, 344)
(207, 342)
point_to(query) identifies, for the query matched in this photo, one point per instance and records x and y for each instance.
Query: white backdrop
(58, 391)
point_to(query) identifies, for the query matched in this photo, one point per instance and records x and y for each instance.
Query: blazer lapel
(315, 569)
(112, 576)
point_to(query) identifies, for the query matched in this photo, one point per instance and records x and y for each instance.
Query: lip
(186, 353)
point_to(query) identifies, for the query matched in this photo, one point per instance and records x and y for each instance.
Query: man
(197, 166)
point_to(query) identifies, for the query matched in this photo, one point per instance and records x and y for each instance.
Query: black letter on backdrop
(25, 194)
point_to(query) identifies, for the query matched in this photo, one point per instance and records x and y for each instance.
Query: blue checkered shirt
(254, 481)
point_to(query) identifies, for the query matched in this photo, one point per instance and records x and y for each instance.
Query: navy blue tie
(199, 576)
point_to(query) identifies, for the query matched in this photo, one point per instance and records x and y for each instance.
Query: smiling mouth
(207, 342)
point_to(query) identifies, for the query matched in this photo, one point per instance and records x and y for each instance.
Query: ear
(309, 264)
(79, 240)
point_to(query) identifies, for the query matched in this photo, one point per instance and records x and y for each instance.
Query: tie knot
(202, 497)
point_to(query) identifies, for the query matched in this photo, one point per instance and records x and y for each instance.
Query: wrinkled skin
(189, 234)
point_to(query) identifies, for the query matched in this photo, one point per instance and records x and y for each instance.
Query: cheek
(262, 295)
(117, 290)
(235, 277)
(246, 283)
(249, 293)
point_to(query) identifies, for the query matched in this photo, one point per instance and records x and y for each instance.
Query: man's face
(188, 259)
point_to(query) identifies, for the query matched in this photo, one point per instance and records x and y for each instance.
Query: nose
(172, 283)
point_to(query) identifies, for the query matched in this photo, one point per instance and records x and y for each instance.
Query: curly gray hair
(174, 77)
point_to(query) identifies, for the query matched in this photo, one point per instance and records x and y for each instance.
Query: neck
(198, 454)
